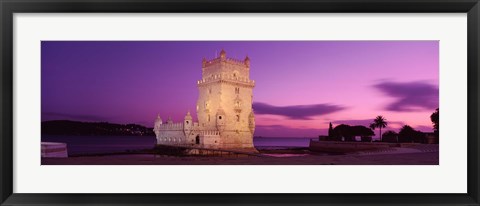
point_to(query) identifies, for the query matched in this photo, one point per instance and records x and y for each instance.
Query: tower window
(187, 122)
(237, 90)
(238, 118)
(209, 118)
(209, 90)
(219, 117)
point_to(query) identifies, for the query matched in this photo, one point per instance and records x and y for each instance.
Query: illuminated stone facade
(224, 109)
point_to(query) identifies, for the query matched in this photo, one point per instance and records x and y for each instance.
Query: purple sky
(300, 85)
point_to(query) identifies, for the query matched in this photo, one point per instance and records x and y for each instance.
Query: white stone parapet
(174, 126)
(224, 77)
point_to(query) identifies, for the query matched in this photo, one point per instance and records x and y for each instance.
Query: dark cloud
(63, 116)
(410, 96)
(283, 131)
(424, 128)
(296, 111)
(363, 122)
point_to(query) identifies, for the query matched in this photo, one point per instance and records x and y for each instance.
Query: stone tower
(225, 101)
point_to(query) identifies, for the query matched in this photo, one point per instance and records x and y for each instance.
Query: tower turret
(169, 121)
(188, 119)
(223, 55)
(187, 124)
(157, 124)
(158, 120)
(247, 61)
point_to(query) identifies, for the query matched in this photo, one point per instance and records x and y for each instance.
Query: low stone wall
(346, 147)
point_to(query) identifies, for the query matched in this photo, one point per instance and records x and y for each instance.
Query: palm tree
(379, 122)
(372, 126)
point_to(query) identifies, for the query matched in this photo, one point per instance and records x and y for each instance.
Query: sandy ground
(395, 157)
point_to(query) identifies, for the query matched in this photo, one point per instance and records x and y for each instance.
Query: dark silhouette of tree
(330, 130)
(406, 134)
(435, 120)
(379, 122)
(390, 136)
(372, 127)
(350, 132)
(342, 131)
(361, 131)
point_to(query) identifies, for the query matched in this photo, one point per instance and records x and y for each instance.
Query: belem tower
(224, 109)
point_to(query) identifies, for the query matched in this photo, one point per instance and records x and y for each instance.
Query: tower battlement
(224, 77)
(173, 126)
(207, 63)
(224, 59)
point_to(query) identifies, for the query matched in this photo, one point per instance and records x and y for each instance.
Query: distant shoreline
(76, 128)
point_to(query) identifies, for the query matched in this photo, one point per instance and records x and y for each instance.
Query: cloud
(364, 122)
(410, 96)
(424, 128)
(303, 112)
(283, 131)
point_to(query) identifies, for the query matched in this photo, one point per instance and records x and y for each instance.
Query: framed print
(252, 103)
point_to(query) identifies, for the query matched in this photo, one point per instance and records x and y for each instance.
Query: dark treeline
(66, 127)
(406, 134)
(345, 132)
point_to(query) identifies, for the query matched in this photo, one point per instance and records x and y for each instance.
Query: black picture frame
(10, 7)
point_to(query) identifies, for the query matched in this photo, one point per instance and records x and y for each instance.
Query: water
(101, 144)
(107, 144)
(281, 142)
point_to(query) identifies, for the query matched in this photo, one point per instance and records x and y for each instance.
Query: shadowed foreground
(425, 158)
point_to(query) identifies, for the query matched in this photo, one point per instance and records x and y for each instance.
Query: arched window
(219, 117)
(238, 118)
